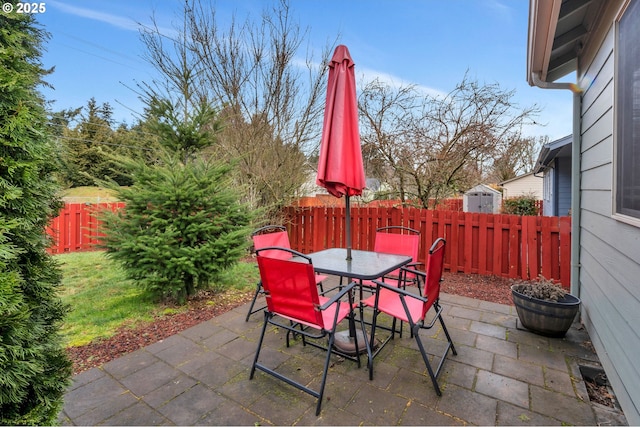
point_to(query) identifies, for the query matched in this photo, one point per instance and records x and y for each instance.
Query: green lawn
(102, 299)
(88, 194)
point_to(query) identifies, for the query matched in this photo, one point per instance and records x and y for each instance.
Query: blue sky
(96, 49)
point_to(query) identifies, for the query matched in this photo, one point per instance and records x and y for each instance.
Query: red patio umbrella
(340, 168)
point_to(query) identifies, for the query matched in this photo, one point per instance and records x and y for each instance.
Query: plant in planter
(544, 307)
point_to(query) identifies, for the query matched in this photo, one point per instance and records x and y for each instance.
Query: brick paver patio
(501, 376)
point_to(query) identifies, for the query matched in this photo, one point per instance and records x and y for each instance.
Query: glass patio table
(363, 265)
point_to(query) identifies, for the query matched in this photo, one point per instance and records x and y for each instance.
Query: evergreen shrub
(181, 227)
(521, 205)
(34, 368)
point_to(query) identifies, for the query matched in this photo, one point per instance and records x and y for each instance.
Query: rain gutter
(575, 176)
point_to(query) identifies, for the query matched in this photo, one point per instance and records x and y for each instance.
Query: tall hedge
(34, 368)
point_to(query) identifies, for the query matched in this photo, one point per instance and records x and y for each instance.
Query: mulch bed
(207, 305)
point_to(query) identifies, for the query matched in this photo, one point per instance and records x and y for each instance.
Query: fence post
(515, 245)
(469, 242)
(565, 251)
(531, 243)
(499, 263)
(484, 246)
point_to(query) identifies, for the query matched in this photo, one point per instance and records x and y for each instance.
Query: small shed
(482, 198)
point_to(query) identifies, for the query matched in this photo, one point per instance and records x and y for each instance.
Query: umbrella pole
(348, 228)
(346, 340)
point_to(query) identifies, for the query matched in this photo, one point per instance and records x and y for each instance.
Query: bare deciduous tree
(429, 147)
(517, 158)
(270, 92)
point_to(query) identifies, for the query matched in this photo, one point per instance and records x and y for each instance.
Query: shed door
(480, 202)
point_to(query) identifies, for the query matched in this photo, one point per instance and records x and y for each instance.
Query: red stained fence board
(76, 228)
(512, 246)
(503, 245)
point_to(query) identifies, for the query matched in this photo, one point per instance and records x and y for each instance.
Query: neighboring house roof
(558, 148)
(554, 44)
(517, 178)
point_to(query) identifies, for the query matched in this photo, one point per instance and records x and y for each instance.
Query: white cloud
(501, 10)
(118, 21)
(369, 75)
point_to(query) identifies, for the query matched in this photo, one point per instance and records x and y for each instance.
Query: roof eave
(550, 151)
(543, 19)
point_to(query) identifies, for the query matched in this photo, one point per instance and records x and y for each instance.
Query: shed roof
(482, 187)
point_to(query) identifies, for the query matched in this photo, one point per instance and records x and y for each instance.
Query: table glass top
(365, 265)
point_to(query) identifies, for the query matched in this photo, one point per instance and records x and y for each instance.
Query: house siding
(549, 191)
(525, 185)
(563, 190)
(557, 188)
(609, 249)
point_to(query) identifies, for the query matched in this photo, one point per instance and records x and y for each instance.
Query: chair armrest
(337, 296)
(413, 265)
(421, 273)
(413, 269)
(398, 291)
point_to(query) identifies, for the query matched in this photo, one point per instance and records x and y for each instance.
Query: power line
(96, 45)
(96, 55)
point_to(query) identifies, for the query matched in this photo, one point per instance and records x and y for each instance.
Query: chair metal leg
(426, 360)
(372, 342)
(446, 332)
(326, 371)
(449, 344)
(253, 302)
(368, 346)
(255, 359)
(315, 393)
(434, 374)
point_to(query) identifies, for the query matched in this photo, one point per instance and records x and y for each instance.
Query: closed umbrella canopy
(340, 168)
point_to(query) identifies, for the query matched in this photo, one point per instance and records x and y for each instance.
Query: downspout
(575, 175)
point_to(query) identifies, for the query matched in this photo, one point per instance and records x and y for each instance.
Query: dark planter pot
(547, 318)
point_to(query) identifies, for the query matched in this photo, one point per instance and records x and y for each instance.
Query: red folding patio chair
(401, 304)
(293, 304)
(277, 236)
(398, 240)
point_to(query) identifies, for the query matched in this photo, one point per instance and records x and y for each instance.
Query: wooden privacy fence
(509, 246)
(76, 229)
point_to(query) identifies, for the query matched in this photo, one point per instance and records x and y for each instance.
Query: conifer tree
(34, 369)
(183, 223)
